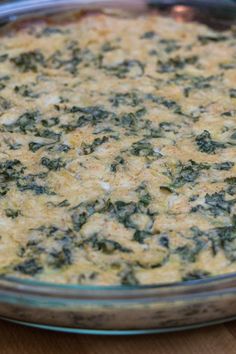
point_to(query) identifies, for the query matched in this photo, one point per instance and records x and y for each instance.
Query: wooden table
(15, 339)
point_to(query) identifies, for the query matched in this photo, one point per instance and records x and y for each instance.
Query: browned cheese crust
(117, 151)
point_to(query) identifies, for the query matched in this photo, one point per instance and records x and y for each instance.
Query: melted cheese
(117, 150)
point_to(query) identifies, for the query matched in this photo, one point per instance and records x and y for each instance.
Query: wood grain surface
(15, 339)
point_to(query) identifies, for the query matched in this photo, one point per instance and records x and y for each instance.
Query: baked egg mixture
(117, 150)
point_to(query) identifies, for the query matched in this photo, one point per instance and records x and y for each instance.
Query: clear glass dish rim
(29, 283)
(24, 285)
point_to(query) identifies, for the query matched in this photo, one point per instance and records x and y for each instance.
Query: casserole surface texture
(117, 150)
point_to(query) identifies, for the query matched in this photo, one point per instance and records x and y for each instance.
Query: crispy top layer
(117, 151)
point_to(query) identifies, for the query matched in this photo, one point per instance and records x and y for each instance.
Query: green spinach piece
(4, 104)
(223, 238)
(53, 164)
(125, 99)
(188, 173)
(49, 31)
(68, 59)
(141, 235)
(48, 123)
(3, 80)
(123, 211)
(25, 123)
(29, 61)
(124, 69)
(10, 171)
(227, 66)
(196, 275)
(3, 58)
(206, 144)
(232, 93)
(145, 197)
(105, 245)
(29, 267)
(189, 253)
(33, 183)
(82, 212)
(128, 277)
(118, 161)
(231, 181)
(12, 213)
(25, 91)
(87, 149)
(224, 166)
(174, 64)
(206, 39)
(170, 45)
(33, 146)
(148, 35)
(216, 205)
(167, 103)
(199, 83)
(228, 113)
(58, 259)
(88, 116)
(143, 148)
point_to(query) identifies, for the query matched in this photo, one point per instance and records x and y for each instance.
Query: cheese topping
(117, 150)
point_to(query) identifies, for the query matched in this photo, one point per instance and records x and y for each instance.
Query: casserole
(104, 308)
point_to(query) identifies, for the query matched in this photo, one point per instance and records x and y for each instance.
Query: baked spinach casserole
(117, 150)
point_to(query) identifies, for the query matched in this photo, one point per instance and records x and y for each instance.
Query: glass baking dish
(117, 309)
